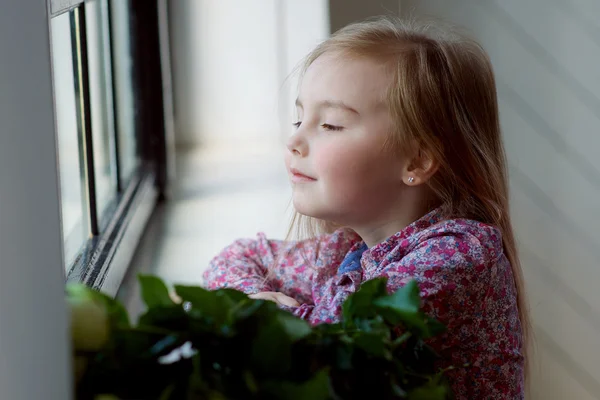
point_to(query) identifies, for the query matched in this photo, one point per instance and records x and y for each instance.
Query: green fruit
(89, 319)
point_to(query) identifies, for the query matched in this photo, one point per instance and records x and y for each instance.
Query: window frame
(104, 259)
(33, 314)
(58, 7)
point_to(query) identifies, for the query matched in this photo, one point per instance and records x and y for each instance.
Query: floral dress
(465, 280)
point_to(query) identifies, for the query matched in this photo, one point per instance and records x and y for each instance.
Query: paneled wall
(546, 56)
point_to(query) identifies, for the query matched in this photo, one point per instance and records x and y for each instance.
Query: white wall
(546, 55)
(34, 339)
(230, 60)
(344, 12)
(305, 24)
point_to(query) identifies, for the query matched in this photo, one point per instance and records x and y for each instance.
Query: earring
(411, 179)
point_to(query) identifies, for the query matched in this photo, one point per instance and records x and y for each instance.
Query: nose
(297, 145)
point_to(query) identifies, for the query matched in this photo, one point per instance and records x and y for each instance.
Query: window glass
(123, 74)
(101, 102)
(70, 146)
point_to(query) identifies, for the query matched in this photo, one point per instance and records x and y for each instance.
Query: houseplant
(227, 346)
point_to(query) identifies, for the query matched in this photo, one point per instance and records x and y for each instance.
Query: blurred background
(170, 121)
(232, 110)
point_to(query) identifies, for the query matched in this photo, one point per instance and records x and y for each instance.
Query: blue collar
(352, 260)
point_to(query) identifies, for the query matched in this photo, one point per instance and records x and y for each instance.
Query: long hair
(442, 99)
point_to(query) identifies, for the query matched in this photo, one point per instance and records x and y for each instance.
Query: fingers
(286, 300)
(276, 297)
(262, 296)
(174, 297)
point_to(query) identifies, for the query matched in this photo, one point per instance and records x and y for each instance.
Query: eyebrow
(331, 104)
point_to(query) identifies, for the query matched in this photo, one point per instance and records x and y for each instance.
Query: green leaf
(117, 314)
(317, 388)
(234, 295)
(373, 344)
(417, 356)
(397, 390)
(197, 386)
(154, 291)
(214, 395)
(252, 349)
(403, 308)
(250, 381)
(343, 357)
(223, 306)
(166, 345)
(360, 304)
(405, 300)
(435, 326)
(294, 327)
(271, 350)
(172, 318)
(200, 298)
(374, 325)
(430, 391)
(401, 339)
(166, 394)
(247, 309)
(135, 344)
(328, 329)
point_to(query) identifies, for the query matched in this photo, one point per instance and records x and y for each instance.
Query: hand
(276, 297)
(175, 297)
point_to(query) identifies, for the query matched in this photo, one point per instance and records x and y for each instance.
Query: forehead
(358, 81)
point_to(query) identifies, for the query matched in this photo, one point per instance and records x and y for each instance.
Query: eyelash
(327, 127)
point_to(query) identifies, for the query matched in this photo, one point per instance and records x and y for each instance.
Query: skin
(276, 297)
(338, 164)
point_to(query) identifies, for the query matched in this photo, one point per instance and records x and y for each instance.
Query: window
(109, 96)
(101, 103)
(123, 84)
(70, 137)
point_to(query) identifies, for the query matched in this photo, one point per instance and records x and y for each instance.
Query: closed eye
(297, 124)
(329, 127)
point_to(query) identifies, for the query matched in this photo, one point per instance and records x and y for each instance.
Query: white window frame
(34, 340)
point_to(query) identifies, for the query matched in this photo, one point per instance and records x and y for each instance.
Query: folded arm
(262, 265)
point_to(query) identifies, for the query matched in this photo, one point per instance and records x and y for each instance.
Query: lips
(299, 177)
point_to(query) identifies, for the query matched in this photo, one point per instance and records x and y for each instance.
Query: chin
(306, 207)
(310, 209)
(301, 207)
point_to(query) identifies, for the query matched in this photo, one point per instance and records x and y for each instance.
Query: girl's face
(336, 160)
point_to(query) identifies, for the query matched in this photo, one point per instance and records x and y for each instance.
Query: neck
(393, 220)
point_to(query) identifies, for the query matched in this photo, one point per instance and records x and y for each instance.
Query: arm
(430, 264)
(471, 290)
(263, 265)
(470, 293)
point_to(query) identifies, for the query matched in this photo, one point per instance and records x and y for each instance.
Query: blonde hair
(443, 101)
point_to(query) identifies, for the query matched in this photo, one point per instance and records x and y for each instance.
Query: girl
(398, 162)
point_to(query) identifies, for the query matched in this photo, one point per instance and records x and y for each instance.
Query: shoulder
(460, 239)
(450, 260)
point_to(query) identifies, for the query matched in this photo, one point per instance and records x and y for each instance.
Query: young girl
(398, 161)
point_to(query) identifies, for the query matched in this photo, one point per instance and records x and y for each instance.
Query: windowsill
(219, 195)
(105, 259)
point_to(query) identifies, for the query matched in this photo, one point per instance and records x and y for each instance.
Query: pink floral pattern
(465, 280)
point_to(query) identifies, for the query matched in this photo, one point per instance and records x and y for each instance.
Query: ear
(420, 168)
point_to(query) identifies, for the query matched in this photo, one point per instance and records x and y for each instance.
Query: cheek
(343, 162)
